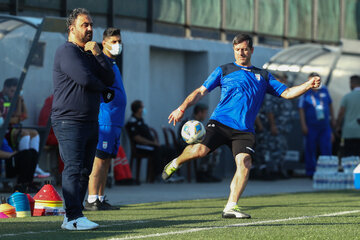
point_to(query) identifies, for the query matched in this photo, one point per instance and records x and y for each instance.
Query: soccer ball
(193, 132)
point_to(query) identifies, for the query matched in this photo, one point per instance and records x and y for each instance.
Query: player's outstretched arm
(296, 91)
(192, 99)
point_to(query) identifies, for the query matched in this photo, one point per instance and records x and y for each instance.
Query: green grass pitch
(285, 216)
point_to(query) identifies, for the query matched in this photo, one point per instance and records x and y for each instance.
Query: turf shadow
(108, 229)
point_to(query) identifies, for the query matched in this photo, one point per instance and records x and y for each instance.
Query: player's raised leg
(237, 187)
(190, 152)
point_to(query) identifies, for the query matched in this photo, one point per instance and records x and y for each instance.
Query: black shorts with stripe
(218, 134)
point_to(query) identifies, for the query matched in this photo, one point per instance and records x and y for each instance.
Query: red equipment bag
(122, 169)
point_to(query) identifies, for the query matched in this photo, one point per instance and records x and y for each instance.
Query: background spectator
(205, 165)
(349, 118)
(19, 138)
(316, 115)
(20, 164)
(145, 143)
(275, 116)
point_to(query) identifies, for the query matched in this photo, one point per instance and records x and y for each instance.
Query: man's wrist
(308, 85)
(179, 109)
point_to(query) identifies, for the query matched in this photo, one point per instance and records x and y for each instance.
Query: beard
(86, 37)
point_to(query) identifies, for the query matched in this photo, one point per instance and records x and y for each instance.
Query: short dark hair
(111, 31)
(136, 105)
(313, 74)
(11, 82)
(199, 108)
(73, 15)
(355, 79)
(241, 37)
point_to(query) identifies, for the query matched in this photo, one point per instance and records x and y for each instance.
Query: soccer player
(111, 120)
(81, 73)
(243, 88)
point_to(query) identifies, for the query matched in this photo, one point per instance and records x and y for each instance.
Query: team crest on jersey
(257, 75)
(105, 144)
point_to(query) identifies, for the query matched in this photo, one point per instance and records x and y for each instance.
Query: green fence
(304, 20)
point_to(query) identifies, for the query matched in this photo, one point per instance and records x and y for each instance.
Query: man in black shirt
(144, 141)
(81, 73)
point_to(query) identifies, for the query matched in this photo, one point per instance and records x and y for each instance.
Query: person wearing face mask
(81, 74)
(111, 120)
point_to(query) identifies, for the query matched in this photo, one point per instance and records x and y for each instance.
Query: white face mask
(115, 49)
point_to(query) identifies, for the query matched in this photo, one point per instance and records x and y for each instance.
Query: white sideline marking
(61, 230)
(235, 225)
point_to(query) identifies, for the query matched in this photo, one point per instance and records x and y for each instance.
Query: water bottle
(315, 181)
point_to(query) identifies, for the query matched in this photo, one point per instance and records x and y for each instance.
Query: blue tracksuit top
(79, 78)
(242, 93)
(113, 113)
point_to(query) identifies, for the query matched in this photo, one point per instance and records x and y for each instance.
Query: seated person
(205, 165)
(20, 164)
(18, 138)
(44, 118)
(145, 143)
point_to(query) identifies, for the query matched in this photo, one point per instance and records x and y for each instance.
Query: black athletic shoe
(107, 206)
(95, 206)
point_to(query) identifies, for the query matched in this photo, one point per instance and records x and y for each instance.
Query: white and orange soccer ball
(193, 132)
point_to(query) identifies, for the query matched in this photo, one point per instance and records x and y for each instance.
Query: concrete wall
(159, 70)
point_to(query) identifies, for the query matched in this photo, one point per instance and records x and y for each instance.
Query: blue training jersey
(310, 100)
(242, 93)
(113, 113)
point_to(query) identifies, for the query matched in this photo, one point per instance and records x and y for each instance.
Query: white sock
(92, 198)
(35, 142)
(174, 163)
(101, 198)
(230, 205)
(24, 143)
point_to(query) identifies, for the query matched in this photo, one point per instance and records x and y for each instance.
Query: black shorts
(218, 134)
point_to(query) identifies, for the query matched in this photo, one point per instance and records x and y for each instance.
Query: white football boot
(235, 213)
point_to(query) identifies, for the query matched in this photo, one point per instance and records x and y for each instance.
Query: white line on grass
(59, 230)
(236, 225)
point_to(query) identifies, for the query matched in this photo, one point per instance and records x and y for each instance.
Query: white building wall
(159, 70)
